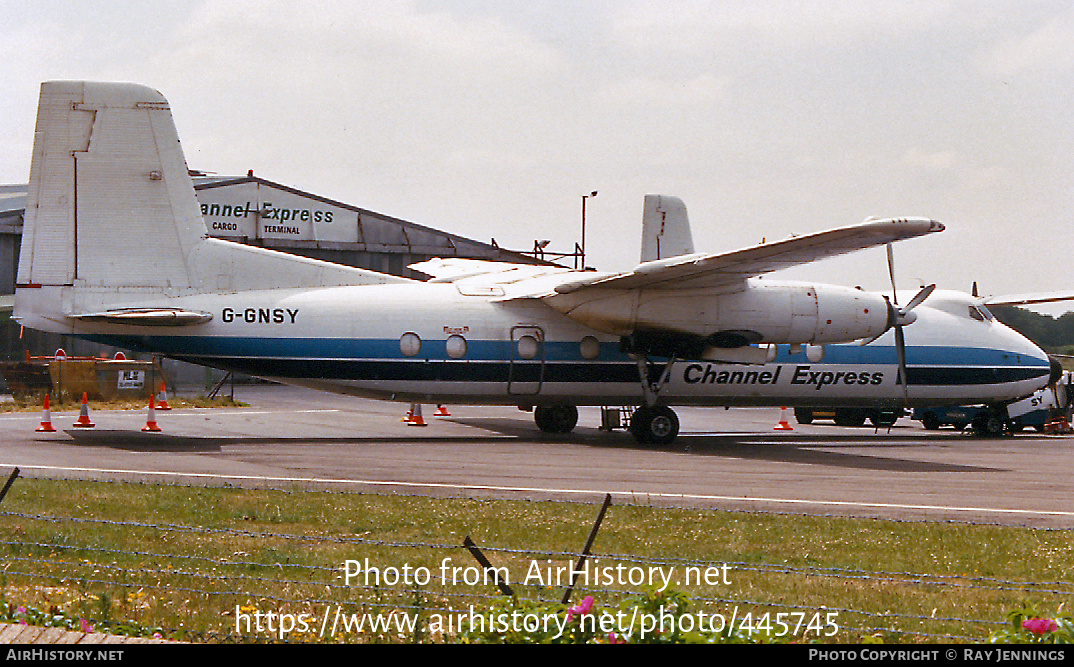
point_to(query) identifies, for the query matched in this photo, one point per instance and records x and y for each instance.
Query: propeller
(898, 317)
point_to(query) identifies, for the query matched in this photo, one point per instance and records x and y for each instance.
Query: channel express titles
(274, 218)
(803, 375)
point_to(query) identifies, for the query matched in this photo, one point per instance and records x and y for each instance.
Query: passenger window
(528, 347)
(410, 344)
(456, 346)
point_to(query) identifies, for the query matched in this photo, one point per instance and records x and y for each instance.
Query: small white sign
(131, 380)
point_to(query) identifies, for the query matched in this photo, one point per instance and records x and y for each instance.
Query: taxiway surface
(294, 438)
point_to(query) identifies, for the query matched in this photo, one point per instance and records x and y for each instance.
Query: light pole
(582, 249)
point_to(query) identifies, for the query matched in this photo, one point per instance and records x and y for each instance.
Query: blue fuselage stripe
(492, 361)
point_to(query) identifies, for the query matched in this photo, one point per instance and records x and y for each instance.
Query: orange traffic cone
(162, 398)
(83, 420)
(415, 416)
(46, 420)
(151, 419)
(783, 424)
(441, 411)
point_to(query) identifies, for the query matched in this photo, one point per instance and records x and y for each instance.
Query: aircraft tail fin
(109, 200)
(111, 216)
(665, 229)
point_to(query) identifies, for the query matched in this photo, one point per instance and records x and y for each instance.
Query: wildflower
(615, 639)
(1040, 626)
(85, 626)
(20, 609)
(581, 608)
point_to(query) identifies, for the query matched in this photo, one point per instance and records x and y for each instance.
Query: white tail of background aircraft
(665, 229)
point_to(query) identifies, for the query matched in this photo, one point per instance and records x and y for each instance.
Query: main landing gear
(657, 425)
(556, 418)
(651, 423)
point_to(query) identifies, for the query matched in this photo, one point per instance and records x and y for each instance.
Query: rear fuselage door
(526, 371)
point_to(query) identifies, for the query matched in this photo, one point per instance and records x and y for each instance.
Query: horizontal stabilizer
(148, 317)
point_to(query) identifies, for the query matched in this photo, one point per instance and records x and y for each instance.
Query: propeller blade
(900, 350)
(919, 298)
(891, 274)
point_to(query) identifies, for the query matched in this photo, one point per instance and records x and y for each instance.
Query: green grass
(183, 558)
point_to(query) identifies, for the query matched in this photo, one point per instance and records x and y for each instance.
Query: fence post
(480, 558)
(10, 481)
(588, 545)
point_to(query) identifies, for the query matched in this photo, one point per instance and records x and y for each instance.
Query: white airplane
(115, 250)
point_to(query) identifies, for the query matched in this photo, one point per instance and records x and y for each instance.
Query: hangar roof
(370, 231)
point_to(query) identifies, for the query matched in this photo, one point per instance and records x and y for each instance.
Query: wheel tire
(556, 418)
(803, 415)
(930, 421)
(654, 426)
(850, 418)
(988, 425)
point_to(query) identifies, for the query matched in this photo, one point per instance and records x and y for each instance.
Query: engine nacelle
(764, 312)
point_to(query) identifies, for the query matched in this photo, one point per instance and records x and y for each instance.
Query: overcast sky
(491, 119)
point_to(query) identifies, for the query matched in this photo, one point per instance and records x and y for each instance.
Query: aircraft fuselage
(420, 342)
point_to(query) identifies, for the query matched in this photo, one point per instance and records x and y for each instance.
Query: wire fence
(230, 585)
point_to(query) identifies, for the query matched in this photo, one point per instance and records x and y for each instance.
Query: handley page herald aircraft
(115, 250)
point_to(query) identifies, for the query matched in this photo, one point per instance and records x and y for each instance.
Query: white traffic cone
(783, 424)
(162, 398)
(415, 416)
(151, 419)
(83, 420)
(46, 419)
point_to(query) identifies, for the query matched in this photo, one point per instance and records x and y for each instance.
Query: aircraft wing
(733, 268)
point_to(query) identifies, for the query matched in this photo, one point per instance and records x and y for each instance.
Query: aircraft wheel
(988, 425)
(556, 418)
(850, 418)
(803, 415)
(654, 426)
(930, 421)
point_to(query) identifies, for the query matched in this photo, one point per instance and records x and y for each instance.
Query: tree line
(1053, 334)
